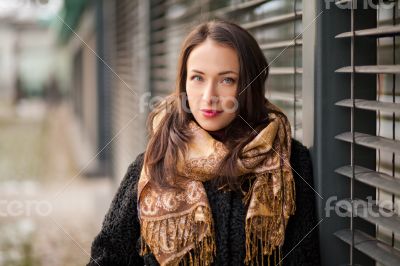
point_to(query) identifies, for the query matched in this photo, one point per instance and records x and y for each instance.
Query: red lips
(210, 112)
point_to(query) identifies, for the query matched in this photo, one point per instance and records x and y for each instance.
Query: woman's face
(211, 84)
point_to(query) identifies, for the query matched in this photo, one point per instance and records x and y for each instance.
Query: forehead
(210, 57)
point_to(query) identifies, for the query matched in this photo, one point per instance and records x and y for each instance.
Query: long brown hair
(170, 137)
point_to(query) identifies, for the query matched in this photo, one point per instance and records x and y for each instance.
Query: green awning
(70, 15)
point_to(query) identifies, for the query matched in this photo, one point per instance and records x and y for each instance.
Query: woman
(215, 184)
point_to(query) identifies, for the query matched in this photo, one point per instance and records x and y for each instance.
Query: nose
(210, 95)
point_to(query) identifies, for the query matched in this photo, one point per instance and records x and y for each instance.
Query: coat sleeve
(116, 243)
(301, 246)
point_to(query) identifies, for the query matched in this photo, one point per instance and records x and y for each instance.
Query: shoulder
(135, 167)
(132, 174)
(123, 206)
(127, 189)
(297, 146)
(302, 166)
(300, 154)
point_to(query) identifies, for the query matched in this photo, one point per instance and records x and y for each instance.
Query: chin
(211, 128)
(211, 125)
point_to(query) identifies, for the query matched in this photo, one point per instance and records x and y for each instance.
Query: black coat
(119, 239)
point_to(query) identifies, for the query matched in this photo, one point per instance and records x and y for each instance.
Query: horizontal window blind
(384, 247)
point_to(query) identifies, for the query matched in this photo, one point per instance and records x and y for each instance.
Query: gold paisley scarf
(178, 227)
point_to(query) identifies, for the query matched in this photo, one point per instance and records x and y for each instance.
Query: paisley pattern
(178, 226)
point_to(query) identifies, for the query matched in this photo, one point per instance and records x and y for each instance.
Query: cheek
(229, 100)
(193, 97)
(230, 103)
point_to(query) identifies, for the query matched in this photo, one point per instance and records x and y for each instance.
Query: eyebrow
(220, 73)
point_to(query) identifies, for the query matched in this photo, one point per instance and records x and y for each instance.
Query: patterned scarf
(177, 227)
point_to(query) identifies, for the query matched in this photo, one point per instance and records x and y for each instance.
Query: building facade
(333, 69)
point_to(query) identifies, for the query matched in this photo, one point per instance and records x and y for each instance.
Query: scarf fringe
(185, 239)
(201, 255)
(263, 241)
(265, 234)
(277, 258)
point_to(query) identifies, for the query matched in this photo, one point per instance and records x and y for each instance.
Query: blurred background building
(78, 79)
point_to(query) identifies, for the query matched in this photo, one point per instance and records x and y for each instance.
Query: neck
(218, 134)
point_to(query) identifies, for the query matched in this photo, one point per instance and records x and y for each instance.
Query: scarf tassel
(264, 233)
(203, 252)
(201, 255)
(264, 242)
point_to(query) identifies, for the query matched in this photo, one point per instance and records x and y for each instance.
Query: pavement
(49, 214)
